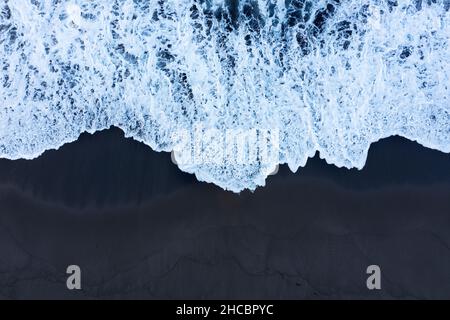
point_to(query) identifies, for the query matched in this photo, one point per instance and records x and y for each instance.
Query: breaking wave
(291, 77)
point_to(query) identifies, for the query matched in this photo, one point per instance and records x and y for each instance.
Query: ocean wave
(234, 88)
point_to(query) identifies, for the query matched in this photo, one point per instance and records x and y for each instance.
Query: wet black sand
(140, 228)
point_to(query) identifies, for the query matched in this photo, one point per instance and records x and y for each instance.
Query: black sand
(140, 228)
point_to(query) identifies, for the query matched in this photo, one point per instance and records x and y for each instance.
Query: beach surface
(138, 227)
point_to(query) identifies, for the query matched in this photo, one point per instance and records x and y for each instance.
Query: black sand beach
(140, 228)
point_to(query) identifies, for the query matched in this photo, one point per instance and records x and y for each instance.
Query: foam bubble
(294, 77)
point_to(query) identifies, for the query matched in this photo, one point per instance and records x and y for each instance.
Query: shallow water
(294, 77)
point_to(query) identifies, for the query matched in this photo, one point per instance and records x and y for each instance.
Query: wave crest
(326, 76)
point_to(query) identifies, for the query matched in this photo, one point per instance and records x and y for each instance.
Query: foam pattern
(302, 76)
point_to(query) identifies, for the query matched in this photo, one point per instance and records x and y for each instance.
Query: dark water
(140, 228)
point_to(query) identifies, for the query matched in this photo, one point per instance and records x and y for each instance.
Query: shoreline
(140, 228)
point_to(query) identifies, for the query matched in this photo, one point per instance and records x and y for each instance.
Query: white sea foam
(326, 76)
